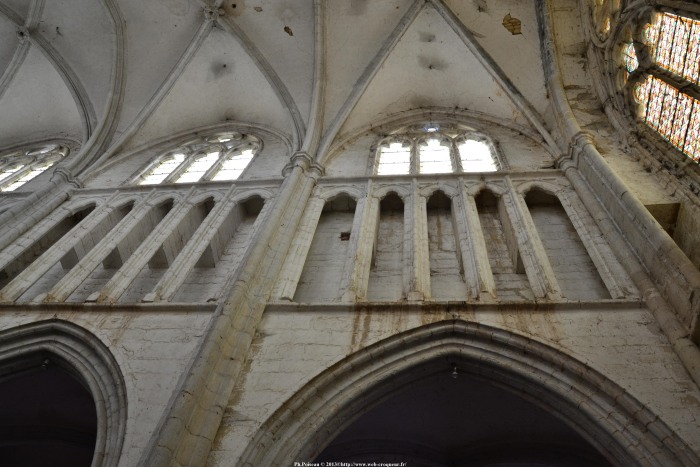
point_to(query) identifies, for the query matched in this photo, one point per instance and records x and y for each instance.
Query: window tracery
(662, 73)
(20, 166)
(604, 12)
(220, 157)
(432, 151)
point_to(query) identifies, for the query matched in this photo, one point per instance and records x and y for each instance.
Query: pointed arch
(83, 355)
(492, 67)
(581, 396)
(83, 103)
(273, 78)
(366, 78)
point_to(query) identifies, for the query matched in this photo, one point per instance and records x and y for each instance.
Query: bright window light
(435, 157)
(164, 168)
(394, 159)
(476, 156)
(198, 168)
(234, 165)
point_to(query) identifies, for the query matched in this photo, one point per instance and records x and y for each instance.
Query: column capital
(306, 162)
(66, 176)
(576, 146)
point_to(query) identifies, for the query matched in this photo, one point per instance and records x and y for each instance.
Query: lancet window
(662, 72)
(220, 157)
(435, 151)
(20, 166)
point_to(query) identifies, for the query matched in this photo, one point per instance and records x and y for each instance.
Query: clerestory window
(662, 73)
(20, 166)
(435, 152)
(220, 157)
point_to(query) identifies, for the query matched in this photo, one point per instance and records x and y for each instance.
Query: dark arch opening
(451, 418)
(555, 382)
(47, 415)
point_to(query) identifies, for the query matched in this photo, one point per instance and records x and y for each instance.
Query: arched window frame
(444, 141)
(225, 144)
(231, 153)
(451, 140)
(496, 155)
(645, 67)
(603, 13)
(385, 143)
(29, 160)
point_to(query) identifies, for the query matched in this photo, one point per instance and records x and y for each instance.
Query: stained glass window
(675, 115)
(631, 61)
(673, 44)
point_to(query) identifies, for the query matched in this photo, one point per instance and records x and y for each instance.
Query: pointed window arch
(394, 158)
(476, 155)
(440, 151)
(222, 156)
(19, 167)
(434, 156)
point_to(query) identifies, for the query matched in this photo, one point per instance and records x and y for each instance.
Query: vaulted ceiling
(119, 73)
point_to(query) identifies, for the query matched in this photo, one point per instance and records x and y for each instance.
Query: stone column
(192, 418)
(296, 257)
(48, 224)
(56, 252)
(123, 278)
(537, 267)
(472, 247)
(613, 276)
(416, 254)
(81, 271)
(183, 264)
(363, 237)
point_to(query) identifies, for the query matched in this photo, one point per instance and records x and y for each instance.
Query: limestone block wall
(152, 347)
(297, 343)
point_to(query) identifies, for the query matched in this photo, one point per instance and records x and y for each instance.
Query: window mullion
(456, 161)
(216, 166)
(415, 157)
(687, 128)
(179, 170)
(19, 174)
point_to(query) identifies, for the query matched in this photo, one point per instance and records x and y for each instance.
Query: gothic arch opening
(322, 274)
(47, 416)
(386, 274)
(446, 271)
(575, 271)
(63, 397)
(450, 418)
(497, 366)
(502, 248)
